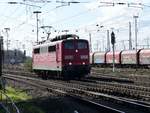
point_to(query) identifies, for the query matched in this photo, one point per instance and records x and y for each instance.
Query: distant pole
(103, 44)
(135, 17)
(130, 34)
(7, 42)
(147, 42)
(123, 44)
(90, 42)
(24, 52)
(1, 55)
(108, 41)
(113, 57)
(97, 45)
(136, 31)
(37, 20)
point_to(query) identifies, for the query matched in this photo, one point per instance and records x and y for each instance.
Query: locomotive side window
(82, 45)
(43, 50)
(69, 45)
(52, 48)
(37, 51)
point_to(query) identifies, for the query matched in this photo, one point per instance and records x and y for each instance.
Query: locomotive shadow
(53, 104)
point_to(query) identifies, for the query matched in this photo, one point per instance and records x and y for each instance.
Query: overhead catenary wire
(65, 19)
(68, 18)
(11, 17)
(72, 16)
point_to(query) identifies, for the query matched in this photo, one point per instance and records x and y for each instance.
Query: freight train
(65, 56)
(126, 58)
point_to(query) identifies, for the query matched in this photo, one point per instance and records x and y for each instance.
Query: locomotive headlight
(84, 57)
(68, 57)
(70, 63)
(83, 63)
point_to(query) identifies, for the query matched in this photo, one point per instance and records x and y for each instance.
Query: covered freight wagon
(109, 57)
(129, 57)
(144, 57)
(99, 58)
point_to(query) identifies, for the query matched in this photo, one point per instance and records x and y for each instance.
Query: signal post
(113, 48)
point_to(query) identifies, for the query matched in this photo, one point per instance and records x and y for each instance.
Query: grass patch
(16, 94)
(22, 100)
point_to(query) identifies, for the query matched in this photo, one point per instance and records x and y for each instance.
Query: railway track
(89, 96)
(116, 88)
(112, 88)
(58, 89)
(96, 75)
(124, 90)
(126, 73)
(143, 80)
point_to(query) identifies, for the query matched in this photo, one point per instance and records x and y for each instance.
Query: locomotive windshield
(69, 45)
(82, 45)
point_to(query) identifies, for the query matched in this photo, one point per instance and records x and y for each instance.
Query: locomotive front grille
(77, 68)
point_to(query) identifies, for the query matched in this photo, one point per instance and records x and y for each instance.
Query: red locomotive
(65, 56)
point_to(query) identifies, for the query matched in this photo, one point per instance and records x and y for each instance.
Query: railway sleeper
(124, 92)
(112, 91)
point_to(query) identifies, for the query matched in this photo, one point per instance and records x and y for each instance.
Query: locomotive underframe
(67, 72)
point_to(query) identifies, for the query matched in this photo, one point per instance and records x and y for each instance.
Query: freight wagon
(126, 58)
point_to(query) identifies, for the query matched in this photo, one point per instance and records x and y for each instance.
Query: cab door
(68, 52)
(58, 56)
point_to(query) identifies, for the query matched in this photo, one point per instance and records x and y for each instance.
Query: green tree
(28, 64)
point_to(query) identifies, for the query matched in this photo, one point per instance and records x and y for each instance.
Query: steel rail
(124, 85)
(5, 108)
(46, 87)
(75, 91)
(104, 86)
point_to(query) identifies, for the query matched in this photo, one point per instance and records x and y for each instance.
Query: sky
(82, 17)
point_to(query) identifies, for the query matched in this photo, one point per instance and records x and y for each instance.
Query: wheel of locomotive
(65, 75)
(79, 77)
(44, 75)
(59, 74)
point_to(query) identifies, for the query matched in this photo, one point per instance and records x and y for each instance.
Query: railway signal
(113, 47)
(113, 41)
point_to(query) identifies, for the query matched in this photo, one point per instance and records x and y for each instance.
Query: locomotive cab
(75, 54)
